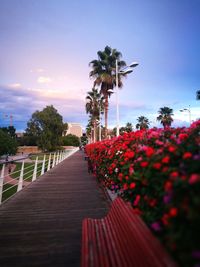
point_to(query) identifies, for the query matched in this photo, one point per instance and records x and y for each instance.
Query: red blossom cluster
(158, 171)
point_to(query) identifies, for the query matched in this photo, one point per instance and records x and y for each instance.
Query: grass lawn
(9, 193)
(28, 170)
(40, 157)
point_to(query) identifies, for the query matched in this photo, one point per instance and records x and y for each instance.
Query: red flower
(174, 174)
(136, 201)
(165, 169)
(129, 154)
(131, 170)
(132, 185)
(120, 176)
(166, 159)
(168, 186)
(125, 186)
(194, 178)
(144, 164)
(149, 151)
(157, 166)
(182, 136)
(165, 219)
(187, 155)
(172, 149)
(173, 212)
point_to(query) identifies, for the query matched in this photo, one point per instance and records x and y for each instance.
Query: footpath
(42, 224)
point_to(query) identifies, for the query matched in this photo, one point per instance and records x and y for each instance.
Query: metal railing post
(43, 165)
(54, 160)
(1, 182)
(60, 157)
(20, 183)
(35, 170)
(49, 163)
(57, 158)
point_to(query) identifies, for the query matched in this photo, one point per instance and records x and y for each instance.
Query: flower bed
(158, 171)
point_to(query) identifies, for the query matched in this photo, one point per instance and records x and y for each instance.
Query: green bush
(70, 140)
(8, 144)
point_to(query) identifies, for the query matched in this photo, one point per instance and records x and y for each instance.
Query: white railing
(13, 182)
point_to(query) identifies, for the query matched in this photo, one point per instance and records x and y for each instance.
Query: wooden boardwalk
(41, 225)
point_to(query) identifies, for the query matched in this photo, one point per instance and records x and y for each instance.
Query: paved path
(9, 180)
(41, 225)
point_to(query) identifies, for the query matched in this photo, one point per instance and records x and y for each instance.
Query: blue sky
(46, 47)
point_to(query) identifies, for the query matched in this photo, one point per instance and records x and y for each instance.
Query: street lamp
(126, 70)
(189, 112)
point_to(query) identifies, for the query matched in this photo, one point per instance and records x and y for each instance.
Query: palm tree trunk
(94, 140)
(106, 116)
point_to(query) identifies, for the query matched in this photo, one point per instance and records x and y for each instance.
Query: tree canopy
(95, 103)
(198, 95)
(47, 127)
(70, 140)
(143, 123)
(8, 144)
(165, 116)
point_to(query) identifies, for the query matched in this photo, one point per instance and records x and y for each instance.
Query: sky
(46, 47)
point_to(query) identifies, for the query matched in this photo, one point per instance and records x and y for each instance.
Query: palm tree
(165, 116)
(104, 74)
(143, 123)
(129, 127)
(198, 95)
(94, 106)
(89, 128)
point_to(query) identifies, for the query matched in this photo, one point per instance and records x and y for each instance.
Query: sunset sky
(46, 47)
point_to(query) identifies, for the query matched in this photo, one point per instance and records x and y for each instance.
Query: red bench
(121, 239)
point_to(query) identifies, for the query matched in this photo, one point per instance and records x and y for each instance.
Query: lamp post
(189, 112)
(100, 122)
(126, 70)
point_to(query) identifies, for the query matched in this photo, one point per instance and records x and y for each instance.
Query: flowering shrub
(158, 171)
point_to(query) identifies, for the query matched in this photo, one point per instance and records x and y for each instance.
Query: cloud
(23, 102)
(43, 79)
(15, 85)
(39, 70)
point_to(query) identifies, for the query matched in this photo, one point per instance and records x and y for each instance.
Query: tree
(143, 123)
(89, 129)
(165, 116)
(9, 130)
(129, 127)
(8, 144)
(84, 139)
(104, 74)
(70, 140)
(47, 127)
(125, 129)
(198, 95)
(94, 105)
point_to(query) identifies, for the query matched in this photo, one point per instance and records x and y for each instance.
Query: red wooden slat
(102, 245)
(85, 241)
(130, 245)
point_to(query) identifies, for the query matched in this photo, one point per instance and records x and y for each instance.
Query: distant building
(19, 134)
(74, 128)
